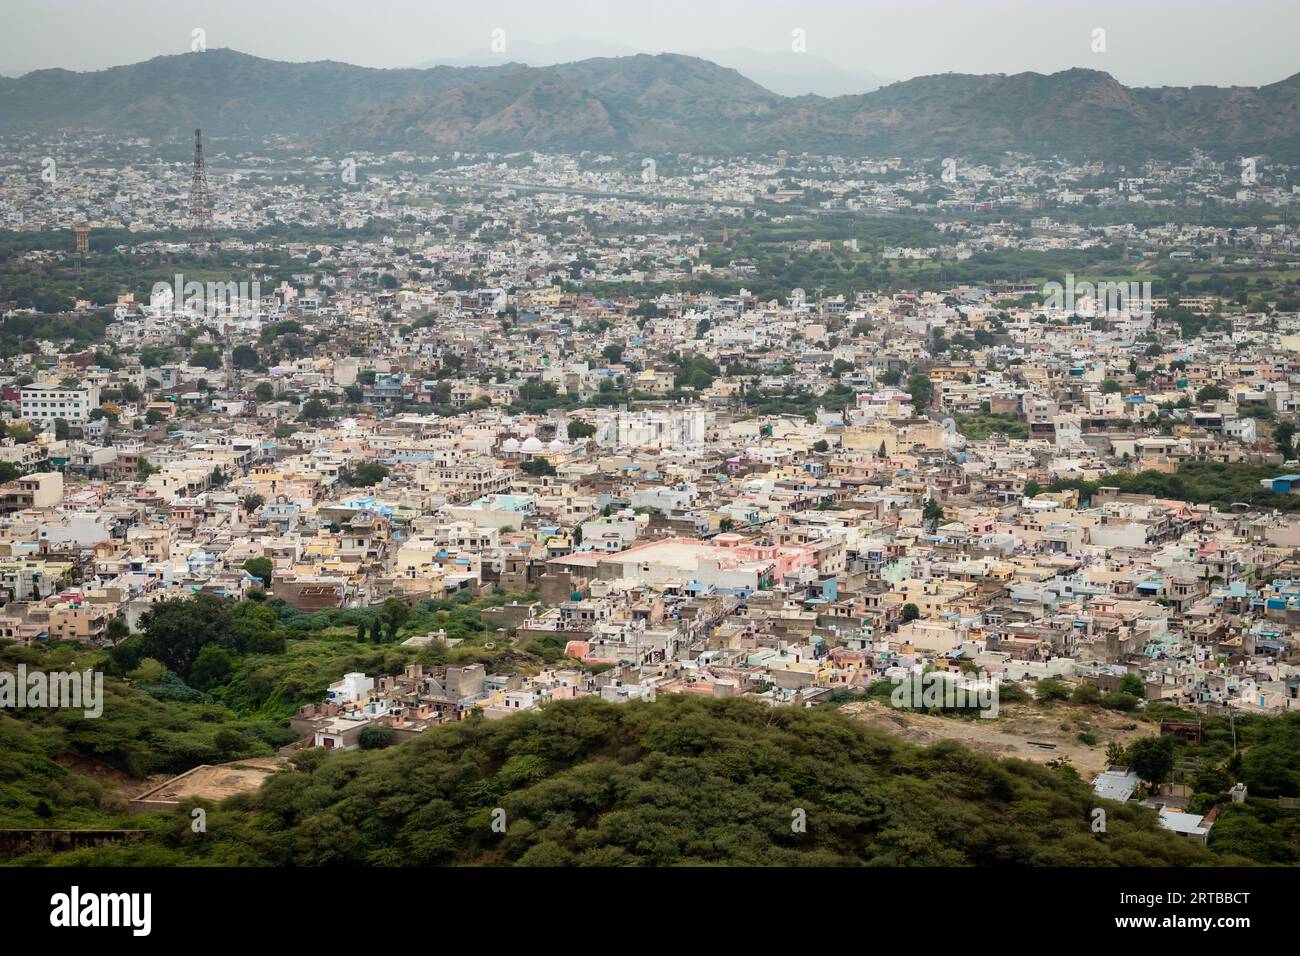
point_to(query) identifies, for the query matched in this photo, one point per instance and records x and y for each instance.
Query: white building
(45, 403)
(352, 689)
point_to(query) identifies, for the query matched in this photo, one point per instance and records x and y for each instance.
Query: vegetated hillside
(1075, 112)
(140, 732)
(677, 103)
(225, 92)
(660, 103)
(663, 104)
(679, 781)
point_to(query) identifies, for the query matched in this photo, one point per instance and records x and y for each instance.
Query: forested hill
(679, 781)
(648, 104)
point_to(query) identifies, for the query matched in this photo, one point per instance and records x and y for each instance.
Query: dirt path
(1009, 734)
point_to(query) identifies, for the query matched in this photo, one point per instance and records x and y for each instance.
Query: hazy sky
(1148, 42)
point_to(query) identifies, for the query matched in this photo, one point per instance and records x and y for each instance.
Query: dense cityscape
(601, 507)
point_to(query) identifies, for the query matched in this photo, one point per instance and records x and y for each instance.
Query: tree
(726, 524)
(245, 357)
(264, 392)
(314, 410)
(932, 513)
(394, 614)
(375, 737)
(1120, 702)
(537, 467)
(1283, 436)
(117, 631)
(910, 612)
(1132, 684)
(1116, 754)
(1152, 758)
(366, 474)
(205, 356)
(922, 392)
(1048, 689)
(579, 429)
(175, 630)
(260, 568)
(1212, 393)
(1086, 694)
(1241, 829)
(212, 667)
(231, 743)
(252, 502)
(1110, 387)
(821, 446)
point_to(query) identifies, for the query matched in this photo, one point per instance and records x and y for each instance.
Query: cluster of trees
(364, 475)
(801, 402)
(980, 427)
(20, 333)
(1201, 482)
(537, 466)
(200, 639)
(137, 733)
(580, 429)
(1126, 697)
(694, 371)
(683, 780)
(1261, 752)
(679, 781)
(322, 645)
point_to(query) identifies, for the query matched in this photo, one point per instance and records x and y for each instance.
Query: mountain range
(665, 103)
(779, 72)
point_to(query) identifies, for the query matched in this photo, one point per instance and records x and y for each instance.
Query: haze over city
(1148, 42)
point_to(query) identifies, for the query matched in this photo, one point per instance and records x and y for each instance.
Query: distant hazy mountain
(521, 51)
(666, 103)
(786, 73)
(675, 103)
(225, 92)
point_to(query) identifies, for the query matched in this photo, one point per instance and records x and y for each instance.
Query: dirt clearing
(1010, 734)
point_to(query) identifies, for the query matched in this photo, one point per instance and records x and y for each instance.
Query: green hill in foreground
(680, 781)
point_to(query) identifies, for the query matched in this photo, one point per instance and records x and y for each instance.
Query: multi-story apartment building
(46, 403)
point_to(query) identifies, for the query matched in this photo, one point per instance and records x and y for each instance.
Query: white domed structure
(557, 445)
(532, 445)
(510, 445)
